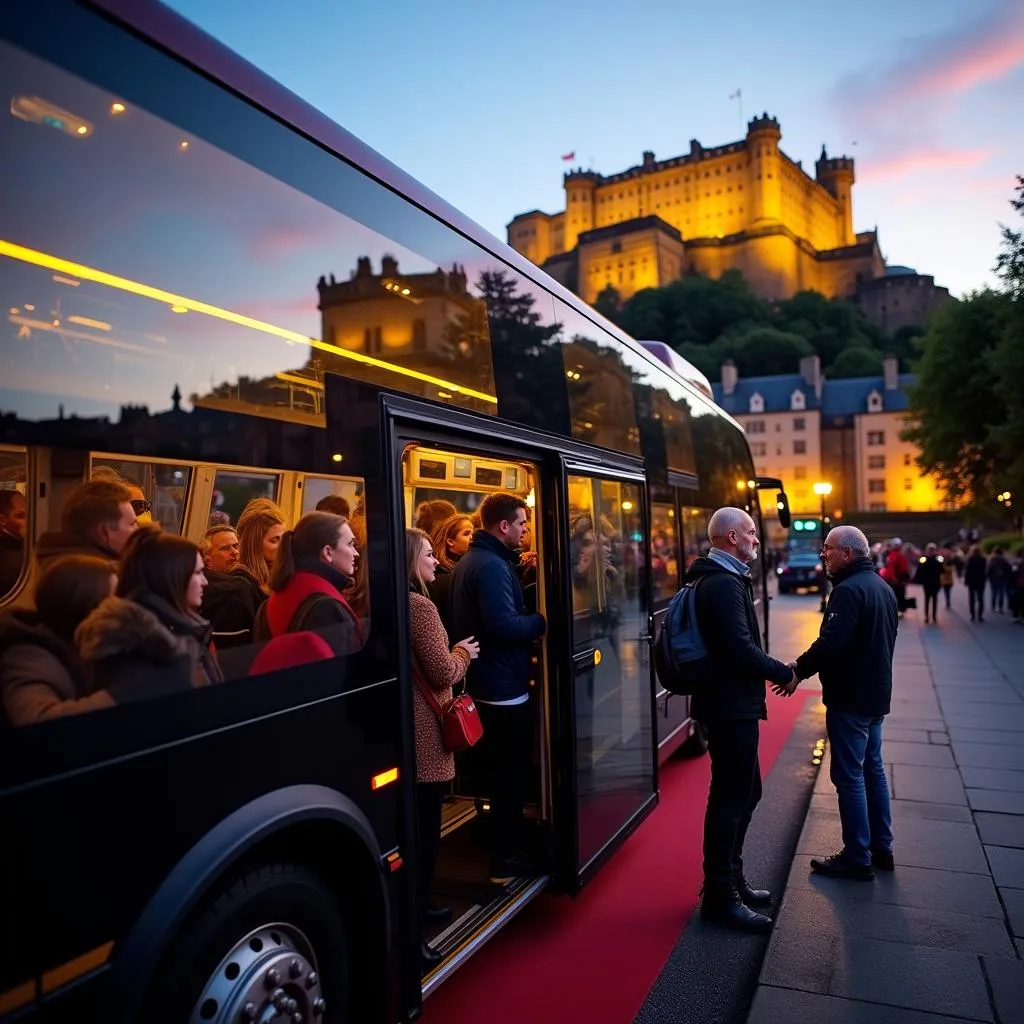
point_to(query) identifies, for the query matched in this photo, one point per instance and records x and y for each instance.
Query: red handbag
(461, 727)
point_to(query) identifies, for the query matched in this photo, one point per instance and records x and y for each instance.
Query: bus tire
(696, 744)
(272, 936)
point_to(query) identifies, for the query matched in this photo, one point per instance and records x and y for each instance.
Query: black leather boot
(752, 897)
(729, 911)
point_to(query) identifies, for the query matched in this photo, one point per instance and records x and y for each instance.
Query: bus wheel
(270, 946)
(696, 744)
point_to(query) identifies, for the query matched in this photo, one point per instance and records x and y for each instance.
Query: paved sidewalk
(940, 939)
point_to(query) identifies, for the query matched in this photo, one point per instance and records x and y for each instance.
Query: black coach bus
(171, 228)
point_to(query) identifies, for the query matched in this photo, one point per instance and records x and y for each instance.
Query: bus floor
(462, 878)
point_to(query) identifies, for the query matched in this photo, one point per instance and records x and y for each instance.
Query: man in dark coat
(97, 519)
(487, 603)
(853, 658)
(731, 708)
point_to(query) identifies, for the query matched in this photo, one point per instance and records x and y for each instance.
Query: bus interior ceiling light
(36, 110)
(55, 263)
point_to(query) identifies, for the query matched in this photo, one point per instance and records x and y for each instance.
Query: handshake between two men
(787, 689)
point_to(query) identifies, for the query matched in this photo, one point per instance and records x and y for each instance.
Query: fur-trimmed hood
(120, 626)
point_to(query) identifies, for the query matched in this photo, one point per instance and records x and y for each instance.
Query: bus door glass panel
(695, 533)
(13, 517)
(664, 552)
(232, 491)
(612, 691)
(164, 486)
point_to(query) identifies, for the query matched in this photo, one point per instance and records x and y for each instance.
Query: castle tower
(835, 174)
(763, 135)
(580, 188)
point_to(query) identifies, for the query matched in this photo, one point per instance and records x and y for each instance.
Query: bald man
(853, 658)
(731, 708)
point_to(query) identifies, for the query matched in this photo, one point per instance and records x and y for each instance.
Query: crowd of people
(935, 569)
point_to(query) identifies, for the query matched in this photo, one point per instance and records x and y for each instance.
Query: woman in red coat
(438, 667)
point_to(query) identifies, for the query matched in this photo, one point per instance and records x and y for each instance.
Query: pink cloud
(921, 160)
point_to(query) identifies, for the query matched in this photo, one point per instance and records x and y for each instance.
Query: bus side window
(664, 551)
(13, 518)
(159, 489)
(232, 491)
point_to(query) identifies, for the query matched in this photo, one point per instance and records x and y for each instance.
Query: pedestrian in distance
(1000, 573)
(975, 572)
(853, 658)
(929, 575)
(946, 576)
(731, 707)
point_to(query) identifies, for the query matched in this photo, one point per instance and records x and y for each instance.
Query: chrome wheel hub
(269, 977)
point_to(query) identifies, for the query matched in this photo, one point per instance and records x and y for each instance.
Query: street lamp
(823, 489)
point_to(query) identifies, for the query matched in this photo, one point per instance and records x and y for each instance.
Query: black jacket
(230, 604)
(441, 594)
(728, 625)
(929, 572)
(62, 542)
(975, 572)
(487, 603)
(853, 653)
(12, 554)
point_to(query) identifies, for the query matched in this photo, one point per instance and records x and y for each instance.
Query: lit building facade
(803, 428)
(745, 205)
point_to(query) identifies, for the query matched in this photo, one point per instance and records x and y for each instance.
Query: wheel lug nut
(311, 979)
(249, 1011)
(273, 978)
(295, 969)
(319, 1006)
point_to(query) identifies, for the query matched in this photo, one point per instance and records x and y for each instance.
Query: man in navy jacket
(487, 602)
(853, 658)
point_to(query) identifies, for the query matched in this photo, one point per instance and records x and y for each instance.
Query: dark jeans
(931, 601)
(998, 594)
(947, 589)
(429, 801)
(976, 599)
(735, 792)
(505, 754)
(858, 773)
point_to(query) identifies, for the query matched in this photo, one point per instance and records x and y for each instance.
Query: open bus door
(782, 509)
(610, 761)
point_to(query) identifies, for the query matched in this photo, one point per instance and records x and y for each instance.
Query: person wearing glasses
(853, 659)
(731, 707)
(97, 519)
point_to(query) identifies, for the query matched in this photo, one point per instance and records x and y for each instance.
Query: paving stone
(964, 734)
(990, 755)
(910, 810)
(832, 915)
(1007, 866)
(1013, 900)
(994, 800)
(991, 716)
(960, 892)
(1000, 829)
(1006, 980)
(944, 845)
(779, 1005)
(927, 754)
(933, 980)
(942, 738)
(799, 959)
(903, 735)
(933, 785)
(993, 778)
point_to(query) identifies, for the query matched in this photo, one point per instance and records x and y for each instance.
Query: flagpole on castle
(738, 96)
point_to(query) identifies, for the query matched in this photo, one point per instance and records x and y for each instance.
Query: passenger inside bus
(97, 519)
(230, 602)
(260, 528)
(449, 541)
(13, 514)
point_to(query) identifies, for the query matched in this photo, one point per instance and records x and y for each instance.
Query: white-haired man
(731, 708)
(853, 658)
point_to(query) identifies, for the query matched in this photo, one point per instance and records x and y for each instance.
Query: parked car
(801, 569)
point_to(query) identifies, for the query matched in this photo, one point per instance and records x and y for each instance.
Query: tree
(763, 351)
(954, 405)
(857, 361)
(609, 304)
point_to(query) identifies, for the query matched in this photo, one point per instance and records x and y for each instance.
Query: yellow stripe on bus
(184, 304)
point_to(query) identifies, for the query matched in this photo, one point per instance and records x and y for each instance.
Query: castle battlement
(364, 283)
(763, 123)
(832, 164)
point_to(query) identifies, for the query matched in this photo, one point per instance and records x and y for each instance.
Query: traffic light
(806, 525)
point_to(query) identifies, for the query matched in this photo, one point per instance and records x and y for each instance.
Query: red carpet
(594, 959)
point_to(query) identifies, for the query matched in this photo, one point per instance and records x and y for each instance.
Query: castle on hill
(745, 205)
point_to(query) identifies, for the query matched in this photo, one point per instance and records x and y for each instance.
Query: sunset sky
(480, 101)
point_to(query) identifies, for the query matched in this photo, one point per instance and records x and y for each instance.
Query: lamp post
(823, 489)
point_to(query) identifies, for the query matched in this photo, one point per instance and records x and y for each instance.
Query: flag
(569, 156)
(736, 95)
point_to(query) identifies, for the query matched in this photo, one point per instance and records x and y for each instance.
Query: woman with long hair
(439, 668)
(260, 528)
(41, 676)
(450, 540)
(150, 632)
(314, 567)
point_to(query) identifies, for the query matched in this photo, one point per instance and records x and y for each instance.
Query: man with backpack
(730, 703)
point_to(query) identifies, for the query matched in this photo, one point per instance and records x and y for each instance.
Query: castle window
(616, 247)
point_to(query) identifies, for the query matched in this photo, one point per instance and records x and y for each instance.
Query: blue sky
(479, 101)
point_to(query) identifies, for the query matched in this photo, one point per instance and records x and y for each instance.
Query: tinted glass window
(205, 256)
(664, 551)
(13, 518)
(158, 489)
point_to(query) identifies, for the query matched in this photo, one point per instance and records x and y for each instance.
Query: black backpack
(680, 658)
